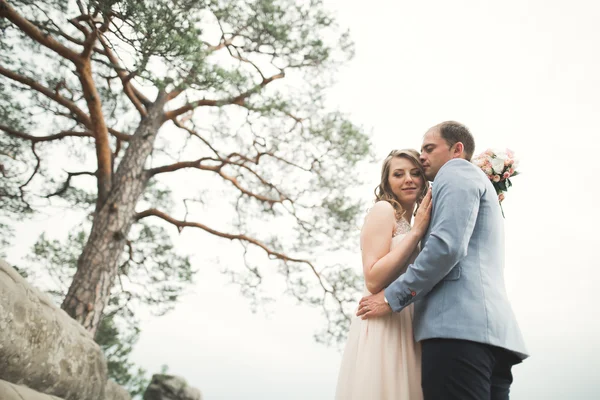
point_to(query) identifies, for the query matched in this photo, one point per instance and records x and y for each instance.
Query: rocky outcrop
(46, 355)
(168, 387)
(114, 391)
(42, 348)
(9, 391)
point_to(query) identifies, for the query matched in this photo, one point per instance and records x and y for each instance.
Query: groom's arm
(455, 207)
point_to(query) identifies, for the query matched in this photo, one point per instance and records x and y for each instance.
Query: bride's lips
(409, 189)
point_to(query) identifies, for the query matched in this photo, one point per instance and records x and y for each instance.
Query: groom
(463, 319)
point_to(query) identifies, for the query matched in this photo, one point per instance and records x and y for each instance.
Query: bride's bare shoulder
(382, 206)
(382, 210)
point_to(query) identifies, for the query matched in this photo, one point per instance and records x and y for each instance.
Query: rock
(41, 347)
(168, 387)
(114, 391)
(9, 391)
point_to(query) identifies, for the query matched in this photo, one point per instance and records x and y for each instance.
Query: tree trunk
(97, 266)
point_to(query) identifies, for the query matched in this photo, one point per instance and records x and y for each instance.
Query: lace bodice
(402, 227)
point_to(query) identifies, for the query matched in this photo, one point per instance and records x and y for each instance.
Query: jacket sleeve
(456, 196)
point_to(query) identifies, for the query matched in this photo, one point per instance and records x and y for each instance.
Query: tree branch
(228, 160)
(80, 6)
(328, 289)
(239, 100)
(95, 122)
(79, 115)
(88, 46)
(59, 31)
(119, 135)
(73, 40)
(245, 191)
(36, 34)
(98, 126)
(131, 93)
(185, 164)
(71, 106)
(180, 125)
(67, 184)
(219, 170)
(82, 29)
(36, 169)
(244, 59)
(262, 180)
(223, 43)
(36, 139)
(242, 238)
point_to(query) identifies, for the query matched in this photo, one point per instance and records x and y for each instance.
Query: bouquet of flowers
(499, 166)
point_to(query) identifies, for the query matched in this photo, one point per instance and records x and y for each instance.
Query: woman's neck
(409, 210)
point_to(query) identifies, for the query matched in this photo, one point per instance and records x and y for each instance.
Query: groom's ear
(458, 150)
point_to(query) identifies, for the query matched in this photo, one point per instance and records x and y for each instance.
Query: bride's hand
(423, 215)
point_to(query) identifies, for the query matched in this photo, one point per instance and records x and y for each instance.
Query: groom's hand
(373, 306)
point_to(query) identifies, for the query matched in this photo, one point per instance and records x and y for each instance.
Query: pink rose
(496, 178)
(487, 168)
(506, 175)
(508, 162)
(511, 171)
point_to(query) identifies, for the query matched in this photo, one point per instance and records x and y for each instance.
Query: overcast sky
(520, 74)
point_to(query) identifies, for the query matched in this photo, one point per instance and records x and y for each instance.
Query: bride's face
(405, 181)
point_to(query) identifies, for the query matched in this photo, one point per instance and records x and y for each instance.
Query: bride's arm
(380, 265)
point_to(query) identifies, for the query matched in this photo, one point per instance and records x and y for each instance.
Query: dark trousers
(464, 370)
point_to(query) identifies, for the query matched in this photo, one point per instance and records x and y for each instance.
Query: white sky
(522, 74)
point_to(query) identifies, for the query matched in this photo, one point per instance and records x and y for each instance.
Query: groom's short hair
(454, 132)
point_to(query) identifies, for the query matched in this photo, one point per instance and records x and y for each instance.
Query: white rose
(501, 154)
(497, 165)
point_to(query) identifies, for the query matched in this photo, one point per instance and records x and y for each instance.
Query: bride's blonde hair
(383, 192)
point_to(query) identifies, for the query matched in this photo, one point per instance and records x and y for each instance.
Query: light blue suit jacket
(457, 281)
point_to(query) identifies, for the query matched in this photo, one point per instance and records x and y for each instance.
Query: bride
(381, 359)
